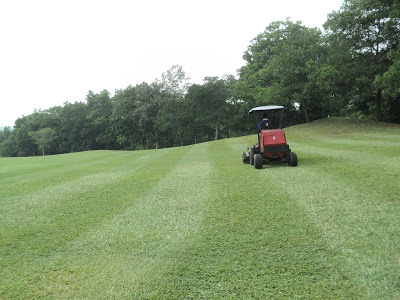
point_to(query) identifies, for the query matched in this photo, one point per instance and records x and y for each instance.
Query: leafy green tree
(44, 137)
(173, 118)
(209, 103)
(170, 120)
(175, 81)
(122, 117)
(364, 32)
(390, 84)
(72, 126)
(98, 129)
(194, 100)
(5, 133)
(7, 142)
(280, 63)
(146, 111)
(134, 115)
(237, 121)
(390, 80)
(25, 145)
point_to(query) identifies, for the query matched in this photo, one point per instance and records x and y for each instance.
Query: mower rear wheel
(258, 163)
(252, 156)
(292, 159)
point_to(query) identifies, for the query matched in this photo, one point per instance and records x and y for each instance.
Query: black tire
(292, 159)
(244, 158)
(252, 156)
(258, 163)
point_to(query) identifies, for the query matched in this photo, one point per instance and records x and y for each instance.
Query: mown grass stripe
(139, 243)
(357, 209)
(254, 241)
(46, 230)
(50, 171)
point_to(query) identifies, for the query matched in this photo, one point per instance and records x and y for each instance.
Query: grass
(194, 222)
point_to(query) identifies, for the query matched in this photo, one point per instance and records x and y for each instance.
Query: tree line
(162, 114)
(352, 68)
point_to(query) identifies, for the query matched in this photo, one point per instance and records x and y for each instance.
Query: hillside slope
(196, 222)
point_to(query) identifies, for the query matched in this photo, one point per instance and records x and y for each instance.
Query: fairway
(195, 222)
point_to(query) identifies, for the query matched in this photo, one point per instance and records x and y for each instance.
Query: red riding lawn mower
(271, 144)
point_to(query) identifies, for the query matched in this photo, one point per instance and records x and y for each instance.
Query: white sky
(52, 51)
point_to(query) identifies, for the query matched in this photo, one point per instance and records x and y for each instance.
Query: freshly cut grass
(194, 222)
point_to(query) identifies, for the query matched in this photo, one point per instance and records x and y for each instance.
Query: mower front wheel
(292, 159)
(258, 163)
(245, 158)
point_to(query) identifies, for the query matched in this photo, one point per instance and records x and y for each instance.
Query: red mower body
(273, 144)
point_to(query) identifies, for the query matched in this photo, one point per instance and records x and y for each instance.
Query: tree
(25, 146)
(390, 84)
(44, 137)
(5, 133)
(173, 118)
(209, 103)
(390, 80)
(98, 128)
(72, 127)
(7, 142)
(364, 31)
(279, 66)
(175, 81)
(134, 114)
(147, 106)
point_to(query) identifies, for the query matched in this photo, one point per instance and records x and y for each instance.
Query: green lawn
(195, 222)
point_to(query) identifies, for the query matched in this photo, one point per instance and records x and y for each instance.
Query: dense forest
(351, 68)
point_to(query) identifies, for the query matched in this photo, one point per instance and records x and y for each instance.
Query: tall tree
(209, 103)
(72, 126)
(364, 31)
(390, 84)
(175, 81)
(134, 114)
(279, 65)
(7, 142)
(44, 137)
(173, 117)
(173, 120)
(98, 129)
(123, 119)
(25, 145)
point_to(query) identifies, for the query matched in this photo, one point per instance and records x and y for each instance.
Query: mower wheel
(258, 163)
(252, 156)
(292, 159)
(245, 158)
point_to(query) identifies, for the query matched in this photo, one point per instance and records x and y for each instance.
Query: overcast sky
(52, 51)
